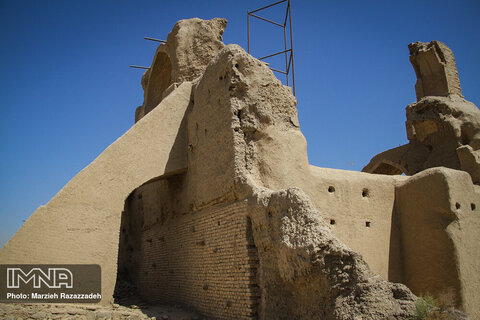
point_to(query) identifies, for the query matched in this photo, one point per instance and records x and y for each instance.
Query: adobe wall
(81, 224)
(205, 260)
(436, 70)
(306, 272)
(240, 260)
(223, 213)
(435, 212)
(442, 127)
(241, 128)
(190, 46)
(439, 221)
(360, 209)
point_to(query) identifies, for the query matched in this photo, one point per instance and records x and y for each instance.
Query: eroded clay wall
(204, 260)
(360, 209)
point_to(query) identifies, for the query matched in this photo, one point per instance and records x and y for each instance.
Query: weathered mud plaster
(81, 224)
(435, 68)
(189, 48)
(307, 273)
(442, 127)
(252, 230)
(436, 210)
(439, 236)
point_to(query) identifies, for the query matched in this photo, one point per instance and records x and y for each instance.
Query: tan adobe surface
(209, 200)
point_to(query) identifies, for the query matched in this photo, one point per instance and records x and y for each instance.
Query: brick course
(205, 260)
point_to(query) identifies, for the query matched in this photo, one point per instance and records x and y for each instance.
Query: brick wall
(205, 260)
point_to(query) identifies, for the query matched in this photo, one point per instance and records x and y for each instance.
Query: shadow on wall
(137, 216)
(159, 80)
(146, 210)
(395, 259)
(155, 81)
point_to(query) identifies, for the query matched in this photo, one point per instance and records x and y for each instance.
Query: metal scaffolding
(150, 39)
(288, 52)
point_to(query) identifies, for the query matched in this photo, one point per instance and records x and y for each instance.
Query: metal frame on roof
(288, 52)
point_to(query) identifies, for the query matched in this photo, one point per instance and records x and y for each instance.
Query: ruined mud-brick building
(209, 201)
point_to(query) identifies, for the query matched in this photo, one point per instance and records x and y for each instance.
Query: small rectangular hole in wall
(367, 224)
(332, 222)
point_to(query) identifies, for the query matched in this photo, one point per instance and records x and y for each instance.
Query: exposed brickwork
(206, 260)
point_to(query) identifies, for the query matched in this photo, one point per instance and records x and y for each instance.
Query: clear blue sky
(66, 91)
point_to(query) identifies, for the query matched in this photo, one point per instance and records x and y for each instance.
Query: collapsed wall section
(443, 128)
(435, 68)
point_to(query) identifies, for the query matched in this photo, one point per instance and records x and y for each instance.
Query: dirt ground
(16, 311)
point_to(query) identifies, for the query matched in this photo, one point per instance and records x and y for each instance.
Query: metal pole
(291, 46)
(285, 41)
(248, 30)
(272, 22)
(287, 63)
(286, 17)
(289, 59)
(274, 54)
(276, 70)
(139, 67)
(270, 5)
(153, 39)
